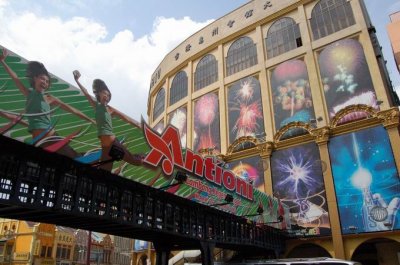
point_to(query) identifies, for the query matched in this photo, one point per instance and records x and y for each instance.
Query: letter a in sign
(166, 148)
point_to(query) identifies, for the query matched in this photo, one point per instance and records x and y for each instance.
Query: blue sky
(123, 41)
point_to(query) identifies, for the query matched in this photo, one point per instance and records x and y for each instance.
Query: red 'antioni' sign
(167, 151)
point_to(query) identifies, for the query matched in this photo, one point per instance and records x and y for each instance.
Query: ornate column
(390, 120)
(265, 153)
(321, 136)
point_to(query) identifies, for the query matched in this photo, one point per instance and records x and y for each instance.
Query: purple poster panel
(245, 112)
(178, 118)
(366, 181)
(250, 169)
(206, 123)
(298, 182)
(346, 78)
(291, 93)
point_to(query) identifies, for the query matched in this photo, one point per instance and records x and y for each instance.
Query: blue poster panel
(346, 78)
(206, 123)
(291, 93)
(140, 245)
(297, 181)
(366, 181)
(250, 169)
(178, 118)
(245, 114)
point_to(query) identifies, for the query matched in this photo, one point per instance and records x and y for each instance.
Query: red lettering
(241, 187)
(160, 151)
(167, 151)
(218, 175)
(171, 138)
(228, 179)
(210, 167)
(192, 158)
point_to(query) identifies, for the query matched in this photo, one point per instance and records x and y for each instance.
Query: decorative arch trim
(241, 140)
(370, 111)
(292, 125)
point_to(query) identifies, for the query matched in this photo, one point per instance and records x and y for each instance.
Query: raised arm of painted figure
(12, 117)
(12, 74)
(122, 116)
(56, 102)
(77, 75)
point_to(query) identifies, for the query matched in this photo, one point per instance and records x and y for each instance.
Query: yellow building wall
(256, 27)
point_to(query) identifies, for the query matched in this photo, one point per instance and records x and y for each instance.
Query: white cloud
(394, 8)
(123, 62)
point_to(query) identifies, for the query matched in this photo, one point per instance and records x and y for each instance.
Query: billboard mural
(291, 93)
(250, 169)
(297, 181)
(178, 118)
(245, 114)
(206, 123)
(366, 181)
(140, 245)
(346, 78)
(45, 111)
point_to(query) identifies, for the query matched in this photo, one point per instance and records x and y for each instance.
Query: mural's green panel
(65, 123)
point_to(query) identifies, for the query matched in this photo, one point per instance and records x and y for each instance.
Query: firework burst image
(291, 91)
(298, 182)
(346, 77)
(206, 123)
(245, 110)
(366, 181)
(250, 170)
(179, 119)
(159, 127)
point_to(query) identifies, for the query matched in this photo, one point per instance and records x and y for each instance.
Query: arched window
(159, 104)
(283, 35)
(206, 72)
(330, 16)
(241, 55)
(179, 88)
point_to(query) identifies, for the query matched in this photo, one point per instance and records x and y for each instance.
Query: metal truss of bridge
(46, 187)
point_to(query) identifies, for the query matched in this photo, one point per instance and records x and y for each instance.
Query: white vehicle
(295, 261)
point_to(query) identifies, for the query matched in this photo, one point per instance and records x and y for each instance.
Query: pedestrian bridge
(47, 187)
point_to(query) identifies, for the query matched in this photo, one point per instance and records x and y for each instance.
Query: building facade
(24, 242)
(30, 243)
(294, 97)
(394, 36)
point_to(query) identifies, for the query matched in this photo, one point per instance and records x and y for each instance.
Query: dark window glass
(58, 253)
(241, 55)
(159, 104)
(206, 72)
(49, 250)
(179, 88)
(283, 35)
(43, 252)
(330, 16)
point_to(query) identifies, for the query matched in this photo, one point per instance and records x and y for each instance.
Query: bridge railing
(46, 187)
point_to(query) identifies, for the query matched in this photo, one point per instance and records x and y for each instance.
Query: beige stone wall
(256, 27)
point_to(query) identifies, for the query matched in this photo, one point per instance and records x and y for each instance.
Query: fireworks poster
(366, 181)
(206, 123)
(178, 118)
(291, 93)
(245, 109)
(298, 182)
(346, 78)
(250, 169)
(159, 127)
